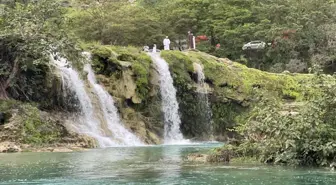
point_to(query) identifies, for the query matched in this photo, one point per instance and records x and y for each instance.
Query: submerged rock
(197, 158)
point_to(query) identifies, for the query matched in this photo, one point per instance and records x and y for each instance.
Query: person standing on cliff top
(166, 43)
(191, 40)
(154, 48)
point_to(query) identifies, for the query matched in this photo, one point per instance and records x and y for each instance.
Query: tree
(127, 24)
(232, 23)
(29, 34)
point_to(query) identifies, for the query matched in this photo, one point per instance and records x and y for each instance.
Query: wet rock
(9, 147)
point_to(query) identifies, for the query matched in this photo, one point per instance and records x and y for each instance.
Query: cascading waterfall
(111, 116)
(203, 101)
(172, 121)
(88, 122)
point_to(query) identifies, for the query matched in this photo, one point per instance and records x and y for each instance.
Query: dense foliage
(302, 135)
(29, 33)
(301, 33)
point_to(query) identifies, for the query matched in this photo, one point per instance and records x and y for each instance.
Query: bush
(35, 130)
(304, 138)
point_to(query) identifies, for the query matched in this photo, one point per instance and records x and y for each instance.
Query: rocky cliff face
(233, 90)
(131, 78)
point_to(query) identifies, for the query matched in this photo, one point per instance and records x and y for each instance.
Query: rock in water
(9, 147)
(197, 158)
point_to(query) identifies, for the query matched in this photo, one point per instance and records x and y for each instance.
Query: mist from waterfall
(172, 121)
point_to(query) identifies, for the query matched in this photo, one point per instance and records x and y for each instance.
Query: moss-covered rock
(29, 127)
(235, 90)
(128, 75)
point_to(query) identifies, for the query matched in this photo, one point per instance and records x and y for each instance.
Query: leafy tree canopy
(29, 33)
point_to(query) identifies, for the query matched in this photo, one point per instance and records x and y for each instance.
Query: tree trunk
(3, 92)
(6, 83)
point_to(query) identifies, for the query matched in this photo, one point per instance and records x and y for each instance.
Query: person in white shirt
(166, 43)
(154, 48)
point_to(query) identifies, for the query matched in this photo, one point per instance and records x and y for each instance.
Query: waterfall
(172, 121)
(111, 116)
(88, 122)
(203, 101)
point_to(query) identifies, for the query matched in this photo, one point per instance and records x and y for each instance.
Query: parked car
(254, 45)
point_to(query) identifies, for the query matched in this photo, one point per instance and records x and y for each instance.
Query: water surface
(146, 165)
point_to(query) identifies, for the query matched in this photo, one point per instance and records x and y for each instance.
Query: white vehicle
(254, 45)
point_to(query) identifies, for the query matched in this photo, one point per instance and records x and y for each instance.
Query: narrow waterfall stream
(111, 115)
(88, 123)
(172, 121)
(203, 100)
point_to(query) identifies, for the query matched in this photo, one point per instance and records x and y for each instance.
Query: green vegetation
(141, 69)
(36, 131)
(111, 60)
(27, 37)
(305, 137)
(301, 32)
(30, 126)
(277, 118)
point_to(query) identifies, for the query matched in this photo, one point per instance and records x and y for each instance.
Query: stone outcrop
(9, 147)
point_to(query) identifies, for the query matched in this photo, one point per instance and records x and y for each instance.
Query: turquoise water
(146, 165)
